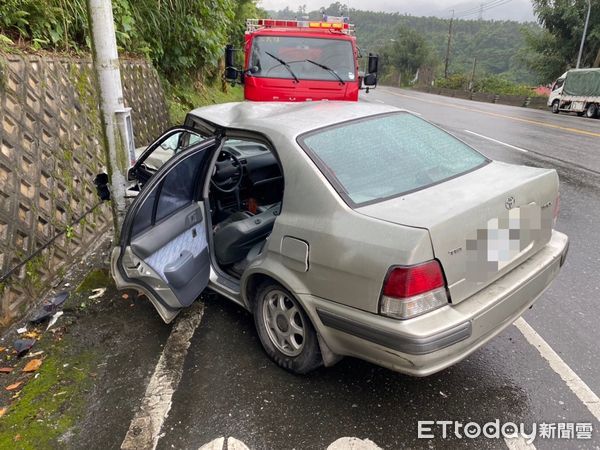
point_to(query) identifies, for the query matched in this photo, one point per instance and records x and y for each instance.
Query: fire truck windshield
(308, 58)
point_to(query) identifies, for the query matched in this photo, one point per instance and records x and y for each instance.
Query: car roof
(287, 118)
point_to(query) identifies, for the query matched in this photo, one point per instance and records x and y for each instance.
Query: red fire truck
(300, 60)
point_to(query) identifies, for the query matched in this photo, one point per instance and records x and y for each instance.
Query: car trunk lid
(482, 224)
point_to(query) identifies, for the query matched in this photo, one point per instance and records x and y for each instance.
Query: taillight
(410, 291)
(556, 211)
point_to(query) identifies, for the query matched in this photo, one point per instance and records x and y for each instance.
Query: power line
(474, 9)
(481, 8)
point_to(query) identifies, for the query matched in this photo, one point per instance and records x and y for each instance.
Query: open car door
(163, 250)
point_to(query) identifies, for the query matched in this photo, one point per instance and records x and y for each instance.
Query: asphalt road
(229, 387)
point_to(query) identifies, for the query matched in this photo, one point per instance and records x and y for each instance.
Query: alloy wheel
(284, 323)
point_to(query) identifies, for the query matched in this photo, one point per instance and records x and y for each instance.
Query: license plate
(502, 241)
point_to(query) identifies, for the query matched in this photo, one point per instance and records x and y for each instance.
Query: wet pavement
(229, 387)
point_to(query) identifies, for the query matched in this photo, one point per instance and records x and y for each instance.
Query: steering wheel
(229, 174)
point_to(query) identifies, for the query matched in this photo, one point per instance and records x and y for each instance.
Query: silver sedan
(344, 228)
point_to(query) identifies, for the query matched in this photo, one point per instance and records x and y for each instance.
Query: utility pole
(471, 83)
(448, 48)
(481, 11)
(587, 21)
(116, 124)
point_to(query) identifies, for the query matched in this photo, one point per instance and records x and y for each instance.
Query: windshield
(298, 52)
(385, 156)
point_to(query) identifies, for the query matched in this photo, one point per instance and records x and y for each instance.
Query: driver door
(164, 249)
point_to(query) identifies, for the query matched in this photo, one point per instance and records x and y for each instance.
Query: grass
(97, 278)
(52, 401)
(183, 97)
(49, 405)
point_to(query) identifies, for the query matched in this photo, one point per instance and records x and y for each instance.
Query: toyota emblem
(510, 203)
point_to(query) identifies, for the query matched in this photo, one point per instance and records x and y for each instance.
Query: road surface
(545, 369)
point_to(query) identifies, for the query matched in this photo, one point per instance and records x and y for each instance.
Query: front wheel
(555, 107)
(284, 329)
(591, 111)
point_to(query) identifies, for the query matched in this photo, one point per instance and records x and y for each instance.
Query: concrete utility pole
(448, 48)
(472, 82)
(114, 116)
(587, 21)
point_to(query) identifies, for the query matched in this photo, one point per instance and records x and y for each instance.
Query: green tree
(181, 37)
(496, 44)
(403, 55)
(554, 49)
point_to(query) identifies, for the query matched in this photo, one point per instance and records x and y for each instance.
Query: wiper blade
(329, 69)
(284, 64)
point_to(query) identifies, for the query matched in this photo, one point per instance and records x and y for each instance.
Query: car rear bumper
(429, 343)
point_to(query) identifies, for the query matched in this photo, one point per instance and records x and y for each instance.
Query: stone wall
(49, 154)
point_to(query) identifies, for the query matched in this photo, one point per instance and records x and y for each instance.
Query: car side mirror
(370, 80)
(232, 74)
(101, 182)
(373, 64)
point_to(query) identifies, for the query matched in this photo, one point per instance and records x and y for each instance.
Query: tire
(555, 107)
(591, 111)
(284, 329)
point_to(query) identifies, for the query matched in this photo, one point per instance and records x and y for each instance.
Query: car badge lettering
(510, 203)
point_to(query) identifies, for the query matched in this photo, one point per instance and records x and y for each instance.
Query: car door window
(174, 192)
(177, 189)
(169, 146)
(559, 83)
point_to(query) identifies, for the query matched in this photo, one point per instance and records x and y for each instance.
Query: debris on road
(6, 369)
(54, 319)
(56, 302)
(49, 307)
(97, 293)
(22, 330)
(22, 346)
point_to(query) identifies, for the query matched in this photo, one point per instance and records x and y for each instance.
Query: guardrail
(513, 100)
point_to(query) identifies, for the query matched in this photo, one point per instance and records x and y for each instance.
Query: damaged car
(345, 230)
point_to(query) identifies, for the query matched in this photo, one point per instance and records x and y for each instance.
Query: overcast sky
(520, 10)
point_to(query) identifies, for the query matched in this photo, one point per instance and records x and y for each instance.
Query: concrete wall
(49, 154)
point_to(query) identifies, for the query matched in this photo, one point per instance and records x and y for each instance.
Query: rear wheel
(555, 107)
(591, 111)
(284, 329)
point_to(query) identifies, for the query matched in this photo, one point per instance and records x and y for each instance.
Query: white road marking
(497, 141)
(576, 384)
(144, 430)
(518, 443)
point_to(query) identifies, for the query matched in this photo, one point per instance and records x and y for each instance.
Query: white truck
(577, 91)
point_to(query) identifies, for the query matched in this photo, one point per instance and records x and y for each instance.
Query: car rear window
(385, 156)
